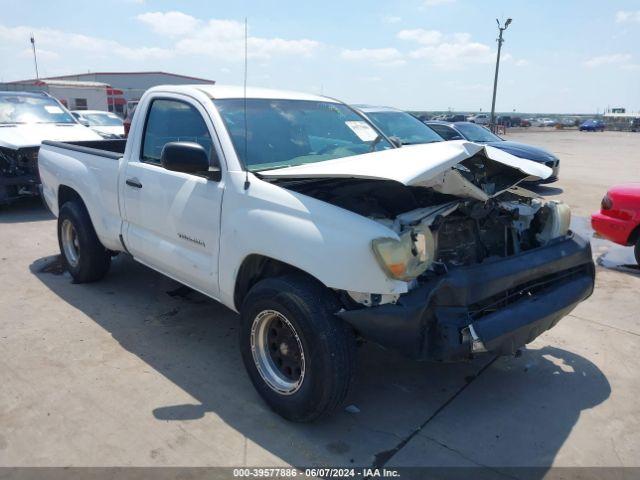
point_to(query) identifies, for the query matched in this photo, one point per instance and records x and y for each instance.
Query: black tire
(93, 259)
(636, 250)
(328, 345)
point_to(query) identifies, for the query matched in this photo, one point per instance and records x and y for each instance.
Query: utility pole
(495, 79)
(35, 58)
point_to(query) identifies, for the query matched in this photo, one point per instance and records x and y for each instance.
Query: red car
(619, 216)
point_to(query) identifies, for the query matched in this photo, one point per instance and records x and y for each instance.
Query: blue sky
(559, 56)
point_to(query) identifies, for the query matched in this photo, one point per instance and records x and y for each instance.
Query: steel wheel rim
(70, 243)
(277, 352)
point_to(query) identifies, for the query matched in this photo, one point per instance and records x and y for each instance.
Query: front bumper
(508, 302)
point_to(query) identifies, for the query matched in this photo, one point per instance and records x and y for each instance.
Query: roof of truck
(237, 91)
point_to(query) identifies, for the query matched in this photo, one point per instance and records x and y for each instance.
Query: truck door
(172, 219)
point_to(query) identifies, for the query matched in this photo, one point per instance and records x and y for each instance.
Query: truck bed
(90, 170)
(103, 148)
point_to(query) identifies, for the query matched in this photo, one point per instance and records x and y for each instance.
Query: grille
(508, 297)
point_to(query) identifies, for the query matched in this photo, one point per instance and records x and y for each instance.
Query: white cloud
(41, 52)
(391, 19)
(221, 39)
(435, 3)
(424, 37)
(54, 42)
(172, 24)
(522, 63)
(613, 59)
(387, 57)
(623, 16)
(447, 51)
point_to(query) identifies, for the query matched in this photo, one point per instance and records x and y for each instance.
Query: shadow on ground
(25, 210)
(545, 190)
(192, 341)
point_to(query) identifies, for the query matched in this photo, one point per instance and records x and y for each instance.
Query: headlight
(407, 258)
(557, 223)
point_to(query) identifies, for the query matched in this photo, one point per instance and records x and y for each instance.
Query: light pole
(35, 58)
(495, 79)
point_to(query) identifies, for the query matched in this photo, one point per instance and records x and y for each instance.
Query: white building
(75, 95)
(134, 84)
(620, 119)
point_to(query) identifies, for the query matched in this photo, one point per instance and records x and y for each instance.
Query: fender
(325, 241)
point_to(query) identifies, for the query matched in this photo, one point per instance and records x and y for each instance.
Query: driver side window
(172, 121)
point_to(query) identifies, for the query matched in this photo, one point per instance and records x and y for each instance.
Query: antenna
(35, 58)
(246, 132)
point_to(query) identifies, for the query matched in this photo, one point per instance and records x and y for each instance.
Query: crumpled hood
(418, 165)
(523, 150)
(31, 135)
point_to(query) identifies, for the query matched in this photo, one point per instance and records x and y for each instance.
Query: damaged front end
(18, 173)
(489, 265)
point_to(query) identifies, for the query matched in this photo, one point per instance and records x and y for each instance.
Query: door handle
(133, 182)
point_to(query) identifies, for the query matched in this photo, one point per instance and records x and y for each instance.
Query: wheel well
(255, 268)
(67, 194)
(635, 234)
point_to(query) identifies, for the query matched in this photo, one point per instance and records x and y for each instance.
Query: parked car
(399, 126)
(504, 121)
(475, 133)
(27, 118)
(525, 122)
(306, 221)
(592, 126)
(131, 108)
(106, 124)
(516, 122)
(479, 118)
(619, 216)
(543, 122)
(568, 122)
(423, 117)
(455, 118)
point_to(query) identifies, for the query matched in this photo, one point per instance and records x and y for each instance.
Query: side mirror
(188, 157)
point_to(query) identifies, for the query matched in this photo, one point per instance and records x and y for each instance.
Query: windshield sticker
(53, 109)
(363, 130)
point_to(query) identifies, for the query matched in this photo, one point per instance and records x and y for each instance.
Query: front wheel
(83, 255)
(299, 356)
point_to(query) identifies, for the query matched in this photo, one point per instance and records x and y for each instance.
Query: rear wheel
(299, 356)
(83, 255)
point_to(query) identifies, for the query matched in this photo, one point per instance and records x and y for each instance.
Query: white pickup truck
(296, 212)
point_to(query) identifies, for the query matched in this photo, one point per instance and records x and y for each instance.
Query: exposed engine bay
(440, 230)
(18, 172)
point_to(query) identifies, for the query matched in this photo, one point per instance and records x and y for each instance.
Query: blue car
(592, 126)
(475, 133)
